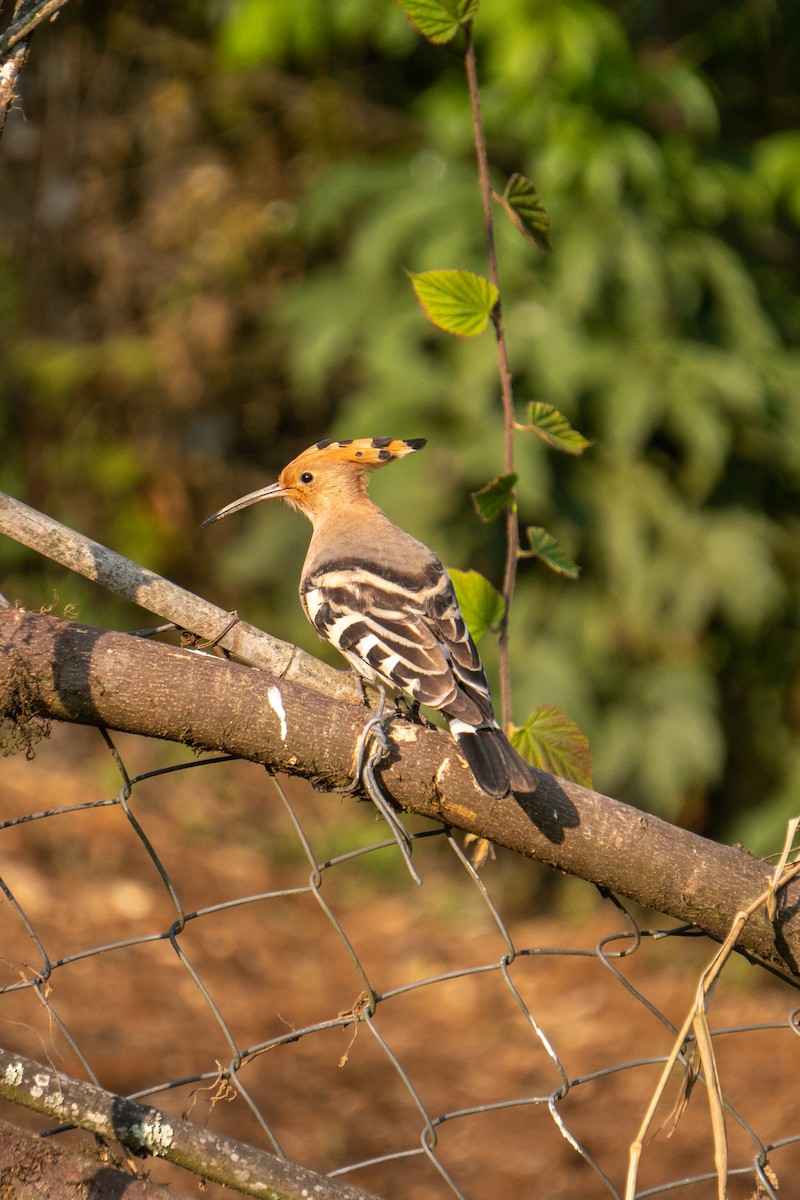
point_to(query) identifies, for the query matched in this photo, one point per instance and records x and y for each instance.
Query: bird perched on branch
(386, 603)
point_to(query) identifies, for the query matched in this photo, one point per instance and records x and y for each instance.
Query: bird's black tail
(494, 762)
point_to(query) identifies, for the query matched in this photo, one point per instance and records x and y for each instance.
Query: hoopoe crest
(385, 601)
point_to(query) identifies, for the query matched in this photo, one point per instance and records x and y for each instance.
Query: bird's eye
(306, 477)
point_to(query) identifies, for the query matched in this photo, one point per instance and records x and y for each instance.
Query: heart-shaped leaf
(439, 20)
(551, 741)
(458, 302)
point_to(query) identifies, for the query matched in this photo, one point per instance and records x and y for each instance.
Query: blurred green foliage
(208, 212)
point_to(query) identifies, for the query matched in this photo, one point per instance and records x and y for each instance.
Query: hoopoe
(385, 601)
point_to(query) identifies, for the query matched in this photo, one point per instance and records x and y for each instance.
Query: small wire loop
(233, 619)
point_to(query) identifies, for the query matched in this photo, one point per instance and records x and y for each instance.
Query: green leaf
(544, 546)
(521, 202)
(551, 741)
(554, 428)
(458, 302)
(481, 604)
(439, 20)
(496, 497)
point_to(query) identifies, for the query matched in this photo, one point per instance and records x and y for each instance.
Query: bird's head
(326, 475)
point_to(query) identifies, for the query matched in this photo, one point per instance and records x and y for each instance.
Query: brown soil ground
(277, 965)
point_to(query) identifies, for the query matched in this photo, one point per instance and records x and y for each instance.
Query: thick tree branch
(72, 672)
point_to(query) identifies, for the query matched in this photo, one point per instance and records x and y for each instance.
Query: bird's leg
(362, 691)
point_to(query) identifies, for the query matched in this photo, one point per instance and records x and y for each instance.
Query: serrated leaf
(458, 302)
(439, 20)
(551, 741)
(496, 497)
(554, 428)
(481, 604)
(544, 546)
(521, 202)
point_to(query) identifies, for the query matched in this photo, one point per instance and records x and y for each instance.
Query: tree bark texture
(149, 1131)
(34, 1168)
(50, 668)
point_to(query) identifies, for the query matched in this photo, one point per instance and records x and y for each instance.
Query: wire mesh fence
(256, 958)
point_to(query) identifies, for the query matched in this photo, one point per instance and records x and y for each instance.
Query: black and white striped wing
(494, 762)
(406, 633)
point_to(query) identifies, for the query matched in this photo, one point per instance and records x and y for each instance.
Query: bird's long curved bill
(274, 491)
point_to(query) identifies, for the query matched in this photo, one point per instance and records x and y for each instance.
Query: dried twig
(697, 1018)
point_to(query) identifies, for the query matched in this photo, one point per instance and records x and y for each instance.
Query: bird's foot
(406, 709)
(359, 679)
(410, 710)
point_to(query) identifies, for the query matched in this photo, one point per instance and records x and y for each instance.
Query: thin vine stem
(512, 520)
